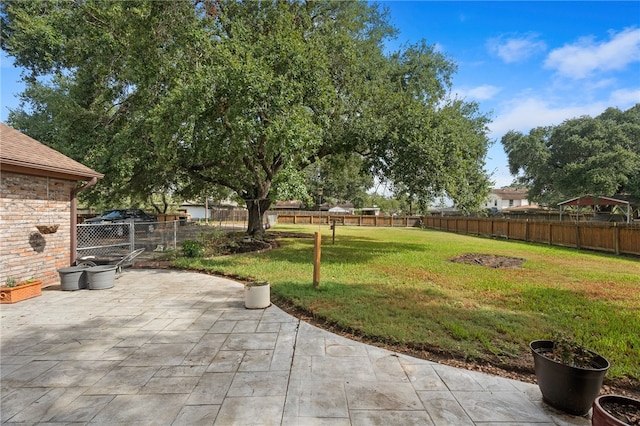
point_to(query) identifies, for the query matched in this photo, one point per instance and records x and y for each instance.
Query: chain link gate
(119, 239)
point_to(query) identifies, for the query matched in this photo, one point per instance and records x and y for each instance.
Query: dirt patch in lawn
(489, 260)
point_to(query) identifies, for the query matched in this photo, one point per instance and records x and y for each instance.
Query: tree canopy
(189, 96)
(584, 155)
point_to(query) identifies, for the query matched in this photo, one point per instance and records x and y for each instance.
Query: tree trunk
(256, 209)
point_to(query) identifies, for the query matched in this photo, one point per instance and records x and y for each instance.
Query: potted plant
(14, 291)
(257, 295)
(569, 376)
(615, 410)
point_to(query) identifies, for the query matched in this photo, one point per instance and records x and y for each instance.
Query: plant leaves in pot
(569, 376)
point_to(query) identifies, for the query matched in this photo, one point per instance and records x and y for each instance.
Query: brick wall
(27, 201)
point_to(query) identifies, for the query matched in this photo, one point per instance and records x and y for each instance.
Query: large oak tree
(586, 155)
(185, 95)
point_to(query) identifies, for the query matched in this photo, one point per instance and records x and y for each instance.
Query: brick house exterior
(38, 186)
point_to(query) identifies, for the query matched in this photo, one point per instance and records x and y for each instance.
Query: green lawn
(397, 285)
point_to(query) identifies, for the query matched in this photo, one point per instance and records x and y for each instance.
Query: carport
(593, 201)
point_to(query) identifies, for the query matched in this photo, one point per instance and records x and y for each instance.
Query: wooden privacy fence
(354, 220)
(618, 238)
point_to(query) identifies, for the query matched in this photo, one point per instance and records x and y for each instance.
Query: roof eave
(8, 165)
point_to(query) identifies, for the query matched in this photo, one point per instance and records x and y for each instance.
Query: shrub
(192, 248)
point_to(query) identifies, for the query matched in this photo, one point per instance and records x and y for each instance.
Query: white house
(501, 199)
(197, 211)
(370, 211)
(342, 208)
(205, 210)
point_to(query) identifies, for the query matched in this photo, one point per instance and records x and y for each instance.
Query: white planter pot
(257, 296)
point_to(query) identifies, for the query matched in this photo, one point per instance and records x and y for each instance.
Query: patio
(178, 348)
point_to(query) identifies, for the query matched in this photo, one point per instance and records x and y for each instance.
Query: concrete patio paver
(179, 348)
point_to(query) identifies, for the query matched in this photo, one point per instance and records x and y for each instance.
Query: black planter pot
(569, 389)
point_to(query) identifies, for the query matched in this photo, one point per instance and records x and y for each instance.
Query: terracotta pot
(569, 389)
(20, 292)
(601, 417)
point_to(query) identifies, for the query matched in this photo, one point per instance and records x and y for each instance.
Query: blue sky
(531, 64)
(527, 64)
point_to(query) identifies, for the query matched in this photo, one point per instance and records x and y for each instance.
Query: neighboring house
(342, 209)
(501, 199)
(196, 211)
(201, 210)
(287, 205)
(38, 186)
(370, 211)
(444, 211)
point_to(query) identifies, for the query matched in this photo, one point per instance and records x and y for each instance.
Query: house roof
(22, 154)
(292, 204)
(510, 193)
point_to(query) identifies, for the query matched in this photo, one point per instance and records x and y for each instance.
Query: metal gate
(109, 239)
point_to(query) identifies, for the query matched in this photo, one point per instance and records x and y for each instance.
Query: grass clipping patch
(489, 260)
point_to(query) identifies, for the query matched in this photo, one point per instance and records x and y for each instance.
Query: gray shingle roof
(21, 152)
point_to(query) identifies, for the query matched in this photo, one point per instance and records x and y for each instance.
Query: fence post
(550, 234)
(175, 235)
(577, 235)
(526, 231)
(132, 236)
(317, 249)
(616, 238)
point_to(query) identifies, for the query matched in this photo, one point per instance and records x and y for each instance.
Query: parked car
(142, 221)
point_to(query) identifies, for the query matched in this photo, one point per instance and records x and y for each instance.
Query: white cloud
(524, 114)
(480, 93)
(585, 56)
(602, 84)
(627, 98)
(515, 49)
